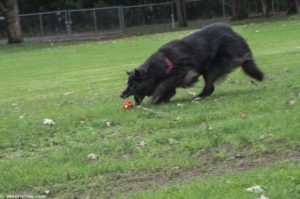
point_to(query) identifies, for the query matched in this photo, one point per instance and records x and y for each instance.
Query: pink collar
(169, 65)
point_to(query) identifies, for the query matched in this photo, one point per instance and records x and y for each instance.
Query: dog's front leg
(138, 99)
(164, 92)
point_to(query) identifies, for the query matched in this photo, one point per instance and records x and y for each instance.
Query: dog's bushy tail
(251, 69)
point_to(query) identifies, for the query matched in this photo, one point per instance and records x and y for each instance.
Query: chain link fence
(119, 19)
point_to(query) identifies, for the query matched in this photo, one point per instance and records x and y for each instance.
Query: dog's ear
(139, 74)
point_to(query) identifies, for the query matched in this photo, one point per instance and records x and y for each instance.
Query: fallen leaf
(291, 102)
(192, 93)
(263, 197)
(172, 141)
(204, 125)
(243, 116)
(68, 93)
(108, 123)
(255, 189)
(93, 156)
(142, 143)
(47, 192)
(197, 99)
(84, 118)
(48, 122)
(238, 155)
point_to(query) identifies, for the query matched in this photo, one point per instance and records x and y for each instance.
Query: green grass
(34, 80)
(280, 181)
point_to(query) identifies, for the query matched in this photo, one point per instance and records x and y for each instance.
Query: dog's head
(138, 84)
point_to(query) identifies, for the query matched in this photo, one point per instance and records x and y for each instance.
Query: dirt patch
(129, 182)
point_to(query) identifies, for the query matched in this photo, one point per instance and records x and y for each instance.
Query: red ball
(127, 104)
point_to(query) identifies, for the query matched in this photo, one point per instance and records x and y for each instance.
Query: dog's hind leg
(209, 85)
(169, 95)
(251, 69)
(210, 76)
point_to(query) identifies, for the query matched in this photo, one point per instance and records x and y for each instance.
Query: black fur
(211, 52)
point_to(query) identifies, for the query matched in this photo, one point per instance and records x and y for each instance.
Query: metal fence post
(173, 17)
(68, 22)
(223, 8)
(273, 8)
(121, 18)
(95, 20)
(41, 24)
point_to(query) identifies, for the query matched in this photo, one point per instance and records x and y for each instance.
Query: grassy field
(245, 134)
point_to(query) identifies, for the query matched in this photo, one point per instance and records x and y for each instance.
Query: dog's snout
(122, 95)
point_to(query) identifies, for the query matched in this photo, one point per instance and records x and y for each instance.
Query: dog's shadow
(217, 95)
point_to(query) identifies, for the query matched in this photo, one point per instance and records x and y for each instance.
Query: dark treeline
(29, 6)
(239, 9)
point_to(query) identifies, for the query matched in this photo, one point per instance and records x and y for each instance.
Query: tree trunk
(297, 3)
(11, 11)
(265, 7)
(239, 9)
(181, 13)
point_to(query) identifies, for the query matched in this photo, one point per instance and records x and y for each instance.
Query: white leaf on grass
(263, 197)
(48, 122)
(255, 189)
(47, 192)
(68, 93)
(108, 123)
(93, 156)
(142, 143)
(180, 105)
(172, 141)
(192, 93)
(197, 99)
(291, 102)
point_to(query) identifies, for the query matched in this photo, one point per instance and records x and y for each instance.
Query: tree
(13, 27)
(297, 3)
(293, 7)
(181, 13)
(265, 7)
(239, 9)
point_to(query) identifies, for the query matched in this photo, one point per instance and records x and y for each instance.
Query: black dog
(212, 52)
